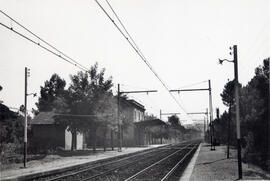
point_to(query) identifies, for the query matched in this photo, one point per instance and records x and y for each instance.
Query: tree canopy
(174, 120)
(87, 103)
(228, 94)
(52, 89)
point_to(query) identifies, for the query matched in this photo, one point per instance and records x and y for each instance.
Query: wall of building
(47, 136)
(68, 140)
(138, 115)
(129, 136)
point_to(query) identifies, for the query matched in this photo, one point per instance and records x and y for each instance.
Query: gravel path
(213, 165)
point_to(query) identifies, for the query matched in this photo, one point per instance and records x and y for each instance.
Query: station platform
(207, 165)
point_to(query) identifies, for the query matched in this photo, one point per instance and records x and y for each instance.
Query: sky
(182, 40)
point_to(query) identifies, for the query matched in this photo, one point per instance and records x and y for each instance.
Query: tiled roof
(44, 118)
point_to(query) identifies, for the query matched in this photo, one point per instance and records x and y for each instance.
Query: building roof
(6, 113)
(131, 103)
(150, 122)
(44, 118)
(136, 104)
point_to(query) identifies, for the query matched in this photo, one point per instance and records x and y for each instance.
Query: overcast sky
(182, 40)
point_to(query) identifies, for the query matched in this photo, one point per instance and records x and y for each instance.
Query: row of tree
(174, 131)
(254, 117)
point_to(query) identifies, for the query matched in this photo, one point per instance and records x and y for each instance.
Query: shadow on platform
(206, 163)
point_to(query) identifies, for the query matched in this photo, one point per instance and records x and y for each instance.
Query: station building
(46, 133)
(136, 131)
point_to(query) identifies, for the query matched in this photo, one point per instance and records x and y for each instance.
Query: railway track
(157, 164)
(165, 168)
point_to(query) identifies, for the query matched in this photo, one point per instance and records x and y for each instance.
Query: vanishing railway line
(167, 168)
(161, 163)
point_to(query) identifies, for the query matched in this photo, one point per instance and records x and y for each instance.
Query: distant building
(137, 131)
(152, 131)
(46, 133)
(131, 112)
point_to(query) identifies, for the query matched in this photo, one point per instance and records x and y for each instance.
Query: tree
(228, 100)
(177, 130)
(221, 128)
(254, 113)
(88, 94)
(149, 116)
(174, 120)
(11, 132)
(228, 94)
(52, 89)
(158, 132)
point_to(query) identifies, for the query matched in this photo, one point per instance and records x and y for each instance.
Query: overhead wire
(123, 26)
(157, 108)
(249, 55)
(36, 43)
(132, 43)
(64, 57)
(197, 83)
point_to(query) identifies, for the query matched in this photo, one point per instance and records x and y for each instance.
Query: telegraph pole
(211, 116)
(204, 129)
(228, 132)
(118, 119)
(26, 74)
(237, 111)
(236, 84)
(120, 136)
(207, 119)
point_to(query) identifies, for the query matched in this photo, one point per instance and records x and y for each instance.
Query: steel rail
(113, 169)
(176, 165)
(85, 169)
(80, 169)
(147, 168)
(105, 164)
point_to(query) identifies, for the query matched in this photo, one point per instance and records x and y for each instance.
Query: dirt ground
(213, 165)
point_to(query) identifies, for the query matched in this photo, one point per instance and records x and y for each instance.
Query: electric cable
(140, 55)
(38, 44)
(41, 39)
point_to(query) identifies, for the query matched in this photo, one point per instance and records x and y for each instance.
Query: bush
(10, 153)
